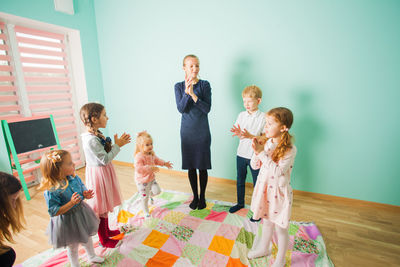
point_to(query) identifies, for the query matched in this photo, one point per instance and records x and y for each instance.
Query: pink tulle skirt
(107, 193)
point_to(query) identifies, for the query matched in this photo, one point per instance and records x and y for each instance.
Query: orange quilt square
(235, 263)
(221, 245)
(155, 239)
(162, 258)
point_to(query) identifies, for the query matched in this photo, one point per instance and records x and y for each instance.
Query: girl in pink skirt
(272, 195)
(100, 174)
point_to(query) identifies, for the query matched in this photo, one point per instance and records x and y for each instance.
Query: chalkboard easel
(27, 135)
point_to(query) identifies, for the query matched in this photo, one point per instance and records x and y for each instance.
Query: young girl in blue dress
(72, 221)
(193, 100)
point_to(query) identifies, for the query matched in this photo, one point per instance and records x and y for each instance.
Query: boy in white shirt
(249, 123)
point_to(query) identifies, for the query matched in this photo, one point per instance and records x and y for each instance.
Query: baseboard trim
(337, 199)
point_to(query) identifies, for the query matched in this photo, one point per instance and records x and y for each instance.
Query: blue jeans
(241, 167)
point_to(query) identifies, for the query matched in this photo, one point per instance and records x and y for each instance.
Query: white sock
(283, 242)
(92, 257)
(72, 252)
(261, 244)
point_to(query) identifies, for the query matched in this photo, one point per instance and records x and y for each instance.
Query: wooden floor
(356, 233)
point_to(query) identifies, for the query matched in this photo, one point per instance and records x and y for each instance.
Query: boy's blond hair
(252, 91)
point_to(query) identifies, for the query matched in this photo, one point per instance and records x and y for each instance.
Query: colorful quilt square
(155, 239)
(151, 222)
(191, 222)
(293, 228)
(142, 253)
(221, 245)
(228, 231)
(166, 195)
(305, 246)
(160, 212)
(212, 258)
(216, 216)
(200, 213)
(182, 233)
(208, 227)
(174, 246)
(240, 251)
(129, 262)
(235, 263)
(161, 259)
(183, 262)
(233, 219)
(172, 205)
(165, 227)
(242, 212)
(220, 208)
(123, 216)
(246, 238)
(194, 253)
(133, 240)
(201, 239)
(174, 217)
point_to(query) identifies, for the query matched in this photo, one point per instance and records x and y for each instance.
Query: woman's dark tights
(203, 177)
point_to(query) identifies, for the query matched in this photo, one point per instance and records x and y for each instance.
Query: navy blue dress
(195, 131)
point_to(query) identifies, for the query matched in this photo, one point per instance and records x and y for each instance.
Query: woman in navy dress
(193, 99)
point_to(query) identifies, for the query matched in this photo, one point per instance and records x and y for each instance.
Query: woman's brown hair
(12, 218)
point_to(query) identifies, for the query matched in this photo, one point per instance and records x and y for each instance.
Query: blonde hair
(252, 91)
(12, 218)
(50, 165)
(140, 139)
(285, 117)
(190, 56)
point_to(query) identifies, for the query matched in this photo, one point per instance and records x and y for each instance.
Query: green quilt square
(141, 254)
(200, 213)
(220, 208)
(194, 253)
(293, 228)
(234, 220)
(246, 238)
(182, 233)
(166, 195)
(151, 222)
(172, 205)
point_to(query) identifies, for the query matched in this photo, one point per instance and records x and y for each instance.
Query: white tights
(72, 252)
(147, 190)
(261, 245)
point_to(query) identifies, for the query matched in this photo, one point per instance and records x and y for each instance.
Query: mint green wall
(335, 64)
(84, 21)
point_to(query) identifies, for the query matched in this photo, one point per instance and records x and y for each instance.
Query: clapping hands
(242, 134)
(88, 194)
(123, 140)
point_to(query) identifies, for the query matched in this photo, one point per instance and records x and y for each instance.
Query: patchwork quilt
(175, 235)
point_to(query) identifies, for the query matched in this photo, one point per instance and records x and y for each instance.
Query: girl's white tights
(72, 252)
(146, 191)
(261, 245)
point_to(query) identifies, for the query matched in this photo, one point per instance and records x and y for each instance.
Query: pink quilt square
(216, 216)
(173, 246)
(191, 222)
(159, 212)
(242, 212)
(212, 258)
(228, 231)
(129, 262)
(201, 239)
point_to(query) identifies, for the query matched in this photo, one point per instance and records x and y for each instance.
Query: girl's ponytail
(285, 117)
